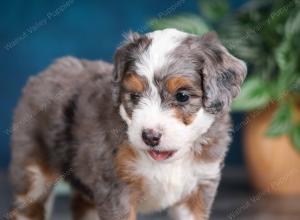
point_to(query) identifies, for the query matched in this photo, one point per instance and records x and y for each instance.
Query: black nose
(151, 137)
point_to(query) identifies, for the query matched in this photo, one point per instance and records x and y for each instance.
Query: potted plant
(266, 34)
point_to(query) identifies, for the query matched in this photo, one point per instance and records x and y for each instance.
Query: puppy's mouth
(160, 155)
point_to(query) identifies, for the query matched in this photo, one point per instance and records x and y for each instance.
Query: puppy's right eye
(182, 96)
(134, 97)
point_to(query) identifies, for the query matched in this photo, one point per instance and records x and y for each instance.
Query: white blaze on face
(149, 113)
(163, 42)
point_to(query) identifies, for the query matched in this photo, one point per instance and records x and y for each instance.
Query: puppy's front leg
(117, 205)
(198, 205)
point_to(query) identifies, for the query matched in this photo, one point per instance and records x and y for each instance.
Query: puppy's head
(171, 87)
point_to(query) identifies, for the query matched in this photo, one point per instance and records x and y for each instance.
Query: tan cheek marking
(175, 83)
(185, 118)
(124, 161)
(134, 83)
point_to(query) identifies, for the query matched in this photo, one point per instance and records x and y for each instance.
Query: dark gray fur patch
(69, 116)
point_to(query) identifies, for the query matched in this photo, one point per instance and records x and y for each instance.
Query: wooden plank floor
(235, 200)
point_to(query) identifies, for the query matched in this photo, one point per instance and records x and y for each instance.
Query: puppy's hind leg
(32, 198)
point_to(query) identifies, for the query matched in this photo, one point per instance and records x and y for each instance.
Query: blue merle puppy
(148, 133)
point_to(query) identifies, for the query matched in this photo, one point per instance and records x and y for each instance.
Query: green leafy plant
(266, 34)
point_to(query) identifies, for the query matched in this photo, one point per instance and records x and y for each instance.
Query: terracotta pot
(273, 163)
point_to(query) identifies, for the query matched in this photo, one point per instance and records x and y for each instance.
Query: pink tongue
(160, 155)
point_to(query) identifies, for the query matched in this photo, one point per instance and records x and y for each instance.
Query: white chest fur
(169, 183)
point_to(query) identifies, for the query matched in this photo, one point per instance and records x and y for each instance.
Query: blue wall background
(34, 33)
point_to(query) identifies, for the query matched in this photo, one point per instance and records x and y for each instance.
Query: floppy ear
(124, 58)
(123, 55)
(222, 74)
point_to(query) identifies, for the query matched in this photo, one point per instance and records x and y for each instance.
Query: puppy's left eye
(135, 97)
(182, 96)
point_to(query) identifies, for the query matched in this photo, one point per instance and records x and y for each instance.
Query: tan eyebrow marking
(177, 82)
(134, 83)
